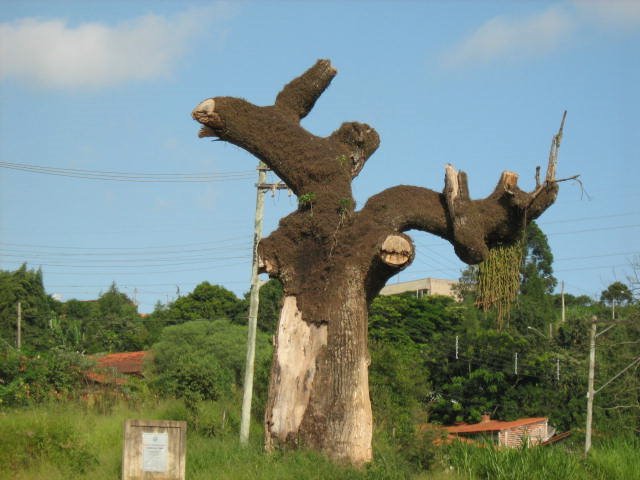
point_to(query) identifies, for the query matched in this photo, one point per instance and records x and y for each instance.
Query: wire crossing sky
(103, 177)
(129, 176)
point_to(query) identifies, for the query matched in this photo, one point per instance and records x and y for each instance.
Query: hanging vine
(499, 280)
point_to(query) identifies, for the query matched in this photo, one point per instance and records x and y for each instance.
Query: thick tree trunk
(319, 391)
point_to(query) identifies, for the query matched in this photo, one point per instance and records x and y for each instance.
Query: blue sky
(109, 86)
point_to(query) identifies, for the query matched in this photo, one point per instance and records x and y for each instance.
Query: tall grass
(70, 441)
(514, 464)
(617, 459)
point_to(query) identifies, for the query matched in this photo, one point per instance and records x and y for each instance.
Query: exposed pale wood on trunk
(297, 346)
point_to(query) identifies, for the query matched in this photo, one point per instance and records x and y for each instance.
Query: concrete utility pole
(590, 393)
(562, 298)
(613, 309)
(19, 327)
(254, 300)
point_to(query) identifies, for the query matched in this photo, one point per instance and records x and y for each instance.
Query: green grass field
(69, 441)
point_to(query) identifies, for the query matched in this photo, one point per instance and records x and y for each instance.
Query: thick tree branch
(472, 226)
(300, 95)
(361, 141)
(405, 207)
(275, 136)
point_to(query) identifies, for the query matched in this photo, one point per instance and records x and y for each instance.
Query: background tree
(617, 293)
(270, 304)
(535, 306)
(332, 260)
(206, 302)
(38, 308)
(203, 360)
(537, 270)
(115, 325)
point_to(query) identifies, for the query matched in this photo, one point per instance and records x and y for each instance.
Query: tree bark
(333, 260)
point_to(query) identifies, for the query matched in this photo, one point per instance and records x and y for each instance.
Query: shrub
(204, 360)
(27, 379)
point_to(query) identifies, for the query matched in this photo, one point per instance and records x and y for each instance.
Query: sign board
(154, 449)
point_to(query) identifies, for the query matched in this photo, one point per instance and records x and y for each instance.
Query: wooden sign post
(154, 450)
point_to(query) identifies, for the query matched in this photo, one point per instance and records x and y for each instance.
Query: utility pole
(254, 300)
(562, 299)
(456, 347)
(590, 393)
(613, 309)
(19, 327)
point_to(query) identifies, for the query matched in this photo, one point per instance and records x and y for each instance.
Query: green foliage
(514, 464)
(204, 360)
(398, 394)
(617, 293)
(206, 302)
(30, 438)
(400, 317)
(537, 270)
(345, 205)
(26, 286)
(400, 326)
(615, 459)
(110, 323)
(306, 199)
(63, 441)
(31, 378)
(271, 294)
(114, 325)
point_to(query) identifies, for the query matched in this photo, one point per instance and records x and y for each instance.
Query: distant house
(113, 368)
(423, 286)
(513, 434)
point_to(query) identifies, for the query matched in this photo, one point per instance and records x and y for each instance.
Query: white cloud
(611, 14)
(50, 53)
(511, 38)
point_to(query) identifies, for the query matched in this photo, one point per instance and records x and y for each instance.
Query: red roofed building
(533, 431)
(112, 367)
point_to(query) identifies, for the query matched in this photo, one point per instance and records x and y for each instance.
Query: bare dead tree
(333, 260)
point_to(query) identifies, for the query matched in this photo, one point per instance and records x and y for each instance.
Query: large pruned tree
(333, 260)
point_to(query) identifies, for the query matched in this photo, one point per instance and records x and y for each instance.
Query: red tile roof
(493, 425)
(129, 362)
(109, 366)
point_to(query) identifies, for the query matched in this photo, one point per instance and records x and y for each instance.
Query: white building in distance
(423, 286)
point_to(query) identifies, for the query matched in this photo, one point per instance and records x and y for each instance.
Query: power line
(617, 227)
(129, 176)
(584, 219)
(148, 247)
(189, 270)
